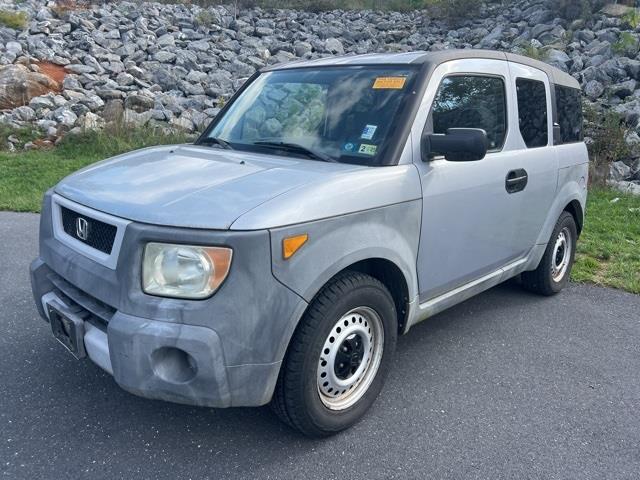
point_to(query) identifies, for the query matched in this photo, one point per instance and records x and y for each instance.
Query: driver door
(468, 218)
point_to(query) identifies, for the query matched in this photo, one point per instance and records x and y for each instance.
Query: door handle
(516, 180)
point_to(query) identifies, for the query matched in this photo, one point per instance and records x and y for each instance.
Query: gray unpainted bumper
(233, 342)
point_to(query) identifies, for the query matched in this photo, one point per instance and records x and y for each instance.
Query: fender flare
(390, 234)
(572, 191)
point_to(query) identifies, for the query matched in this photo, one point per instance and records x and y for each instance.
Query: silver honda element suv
(328, 208)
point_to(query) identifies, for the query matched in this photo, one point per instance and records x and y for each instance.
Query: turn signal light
(291, 245)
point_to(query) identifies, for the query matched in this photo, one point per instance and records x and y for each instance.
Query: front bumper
(157, 359)
(220, 352)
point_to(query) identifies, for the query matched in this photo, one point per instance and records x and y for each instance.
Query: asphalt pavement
(505, 385)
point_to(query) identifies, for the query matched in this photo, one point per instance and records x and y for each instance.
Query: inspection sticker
(367, 149)
(349, 147)
(368, 132)
(389, 83)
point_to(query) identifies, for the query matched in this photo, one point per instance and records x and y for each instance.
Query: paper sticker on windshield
(389, 83)
(367, 149)
(368, 132)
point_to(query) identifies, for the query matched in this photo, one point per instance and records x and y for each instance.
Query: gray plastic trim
(108, 260)
(438, 304)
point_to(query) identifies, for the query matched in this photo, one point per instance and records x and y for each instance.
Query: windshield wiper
(294, 147)
(216, 141)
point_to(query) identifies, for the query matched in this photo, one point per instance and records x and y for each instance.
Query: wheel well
(575, 209)
(392, 277)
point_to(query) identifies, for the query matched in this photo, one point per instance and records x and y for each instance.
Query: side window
(569, 106)
(532, 112)
(472, 101)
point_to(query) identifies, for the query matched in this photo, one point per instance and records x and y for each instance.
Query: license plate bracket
(68, 329)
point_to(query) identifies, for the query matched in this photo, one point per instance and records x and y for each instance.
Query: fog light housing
(173, 365)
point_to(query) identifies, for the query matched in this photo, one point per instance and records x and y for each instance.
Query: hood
(189, 186)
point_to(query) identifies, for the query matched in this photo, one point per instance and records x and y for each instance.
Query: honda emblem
(82, 228)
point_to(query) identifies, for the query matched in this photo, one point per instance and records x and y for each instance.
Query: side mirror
(457, 145)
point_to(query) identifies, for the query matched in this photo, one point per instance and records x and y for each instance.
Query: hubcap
(561, 255)
(350, 358)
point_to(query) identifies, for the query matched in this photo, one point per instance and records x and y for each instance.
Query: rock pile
(177, 64)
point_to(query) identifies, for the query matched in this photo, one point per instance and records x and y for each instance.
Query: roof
(556, 75)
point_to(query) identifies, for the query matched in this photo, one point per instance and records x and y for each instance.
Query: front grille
(96, 234)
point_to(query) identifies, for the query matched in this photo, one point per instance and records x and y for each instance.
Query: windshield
(339, 114)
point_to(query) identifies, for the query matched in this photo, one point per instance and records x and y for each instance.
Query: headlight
(184, 271)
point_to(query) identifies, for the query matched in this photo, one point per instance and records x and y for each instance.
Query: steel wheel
(338, 357)
(350, 358)
(561, 256)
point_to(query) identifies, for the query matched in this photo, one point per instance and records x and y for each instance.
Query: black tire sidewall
(376, 297)
(565, 221)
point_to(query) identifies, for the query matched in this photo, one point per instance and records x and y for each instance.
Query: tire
(554, 270)
(351, 312)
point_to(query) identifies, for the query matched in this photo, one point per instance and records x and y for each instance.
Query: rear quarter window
(569, 109)
(532, 112)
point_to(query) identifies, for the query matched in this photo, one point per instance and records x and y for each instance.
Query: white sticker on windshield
(368, 132)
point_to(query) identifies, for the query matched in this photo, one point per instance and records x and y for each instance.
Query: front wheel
(338, 357)
(553, 272)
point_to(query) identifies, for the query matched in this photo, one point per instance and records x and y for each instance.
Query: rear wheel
(338, 357)
(554, 270)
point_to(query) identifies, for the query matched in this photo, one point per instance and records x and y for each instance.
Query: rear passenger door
(533, 151)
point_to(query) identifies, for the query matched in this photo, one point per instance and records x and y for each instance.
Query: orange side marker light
(291, 245)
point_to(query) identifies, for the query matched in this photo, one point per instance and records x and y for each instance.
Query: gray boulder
(64, 116)
(302, 48)
(635, 170)
(166, 40)
(625, 186)
(79, 68)
(136, 119)
(558, 58)
(90, 121)
(594, 90)
(138, 103)
(184, 122)
(333, 45)
(165, 78)
(164, 56)
(493, 39)
(125, 79)
(113, 111)
(619, 171)
(625, 89)
(24, 114)
(42, 103)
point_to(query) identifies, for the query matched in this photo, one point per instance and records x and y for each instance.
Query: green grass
(609, 247)
(535, 53)
(632, 18)
(11, 19)
(608, 250)
(627, 45)
(25, 176)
